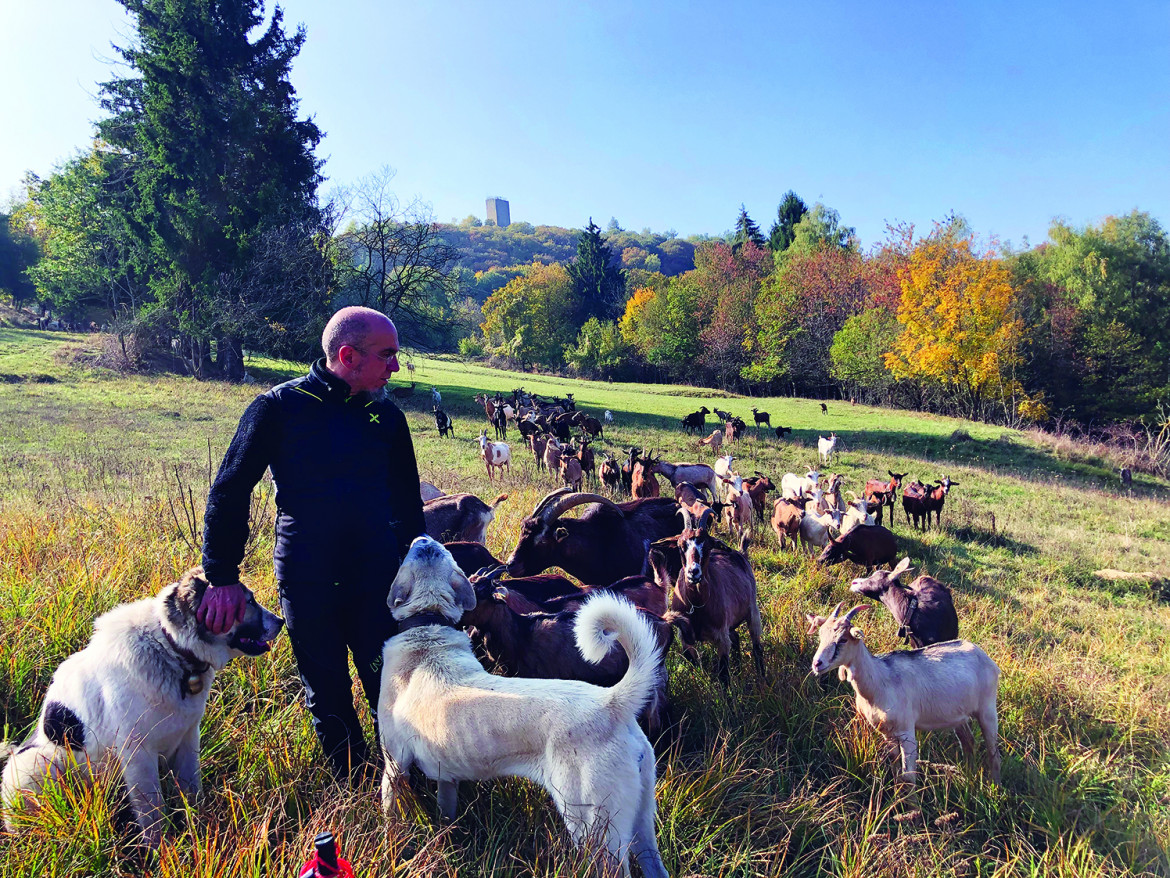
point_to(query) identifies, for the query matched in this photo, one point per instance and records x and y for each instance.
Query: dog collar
(420, 620)
(191, 678)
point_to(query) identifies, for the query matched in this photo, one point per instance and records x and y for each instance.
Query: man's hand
(222, 607)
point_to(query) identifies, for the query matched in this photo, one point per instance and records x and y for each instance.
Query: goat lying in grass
(940, 687)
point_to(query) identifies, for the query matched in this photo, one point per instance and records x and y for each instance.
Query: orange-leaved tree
(959, 328)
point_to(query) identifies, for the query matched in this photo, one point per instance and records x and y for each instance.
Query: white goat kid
(943, 686)
(608, 416)
(436, 397)
(827, 447)
(496, 455)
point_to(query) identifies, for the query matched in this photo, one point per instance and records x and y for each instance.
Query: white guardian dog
(133, 696)
(440, 710)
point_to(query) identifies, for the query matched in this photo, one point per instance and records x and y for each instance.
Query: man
(348, 507)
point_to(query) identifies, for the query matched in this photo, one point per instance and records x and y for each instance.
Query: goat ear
(902, 567)
(814, 623)
(857, 634)
(561, 534)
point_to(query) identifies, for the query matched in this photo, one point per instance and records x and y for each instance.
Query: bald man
(348, 507)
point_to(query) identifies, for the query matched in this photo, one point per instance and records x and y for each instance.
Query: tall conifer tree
(219, 157)
(746, 229)
(599, 284)
(792, 208)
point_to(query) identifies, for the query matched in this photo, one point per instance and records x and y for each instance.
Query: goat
(826, 447)
(943, 686)
(737, 514)
(729, 432)
(792, 485)
(608, 416)
(786, 517)
(643, 484)
(696, 421)
(914, 503)
(500, 422)
(588, 460)
(698, 474)
(459, 517)
(611, 474)
(722, 415)
(935, 499)
(761, 418)
(884, 493)
(552, 456)
(781, 432)
(436, 397)
(722, 466)
(427, 491)
(868, 545)
(824, 409)
(758, 487)
(1126, 476)
(443, 423)
(606, 543)
(591, 426)
(628, 470)
(544, 646)
(538, 442)
(816, 529)
(714, 442)
(924, 609)
(856, 515)
(715, 591)
(571, 472)
(471, 556)
(737, 427)
(496, 455)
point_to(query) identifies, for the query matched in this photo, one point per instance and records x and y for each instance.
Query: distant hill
(487, 247)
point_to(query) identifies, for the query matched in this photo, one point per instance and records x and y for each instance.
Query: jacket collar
(327, 386)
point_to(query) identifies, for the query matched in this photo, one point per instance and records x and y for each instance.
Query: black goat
(924, 609)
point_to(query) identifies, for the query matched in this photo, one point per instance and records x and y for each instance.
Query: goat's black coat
(924, 609)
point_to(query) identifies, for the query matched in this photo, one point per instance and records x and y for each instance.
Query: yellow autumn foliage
(958, 326)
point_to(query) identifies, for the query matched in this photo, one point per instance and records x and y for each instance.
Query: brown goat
(644, 483)
(758, 487)
(544, 645)
(786, 517)
(879, 493)
(715, 591)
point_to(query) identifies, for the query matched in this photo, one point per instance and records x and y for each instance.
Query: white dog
(133, 696)
(440, 710)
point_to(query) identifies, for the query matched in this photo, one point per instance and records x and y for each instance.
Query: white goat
(793, 486)
(436, 397)
(817, 529)
(496, 455)
(826, 447)
(608, 416)
(723, 466)
(856, 514)
(737, 514)
(943, 686)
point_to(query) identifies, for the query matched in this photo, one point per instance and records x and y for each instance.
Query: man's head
(361, 348)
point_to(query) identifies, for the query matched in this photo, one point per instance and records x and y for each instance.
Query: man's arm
(225, 521)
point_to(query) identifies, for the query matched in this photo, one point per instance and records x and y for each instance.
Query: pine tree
(746, 230)
(599, 285)
(788, 214)
(220, 158)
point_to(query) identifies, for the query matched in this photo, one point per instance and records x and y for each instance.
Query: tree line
(194, 225)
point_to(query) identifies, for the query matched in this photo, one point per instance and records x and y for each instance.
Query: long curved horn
(548, 498)
(849, 616)
(568, 501)
(705, 519)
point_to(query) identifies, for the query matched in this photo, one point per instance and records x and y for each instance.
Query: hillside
(99, 474)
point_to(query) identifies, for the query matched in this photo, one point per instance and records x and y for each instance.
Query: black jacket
(346, 480)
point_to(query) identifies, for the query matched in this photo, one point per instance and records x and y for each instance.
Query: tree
(790, 211)
(208, 123)
(599, 285)
(18, 253)
(746, 230)
(528, 319)
(822, 225)
(663, 325)
(399, 262)
(959, 329)
(599, 351)
(859, 349)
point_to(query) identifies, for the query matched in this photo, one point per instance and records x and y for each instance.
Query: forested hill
(486, 247)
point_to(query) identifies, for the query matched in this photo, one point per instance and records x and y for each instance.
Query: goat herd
(661, 554)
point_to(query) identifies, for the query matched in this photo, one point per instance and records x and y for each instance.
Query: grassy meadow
(103, 477)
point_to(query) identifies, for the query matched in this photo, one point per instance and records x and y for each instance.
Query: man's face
(376, 360)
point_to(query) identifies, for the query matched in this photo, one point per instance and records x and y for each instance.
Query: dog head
(429, 581)
(252, 635)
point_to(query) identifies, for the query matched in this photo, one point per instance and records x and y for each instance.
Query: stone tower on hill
(497, 212)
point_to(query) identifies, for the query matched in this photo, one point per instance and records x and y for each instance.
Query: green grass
(765, 780)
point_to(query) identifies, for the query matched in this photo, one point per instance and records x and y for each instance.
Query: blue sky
(670, 115)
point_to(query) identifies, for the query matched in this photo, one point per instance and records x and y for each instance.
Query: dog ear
(464, 593)
(192, 587)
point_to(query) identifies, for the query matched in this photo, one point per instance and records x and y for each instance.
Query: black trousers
(328, 618)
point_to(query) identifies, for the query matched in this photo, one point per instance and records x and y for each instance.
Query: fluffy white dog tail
(605, 618)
